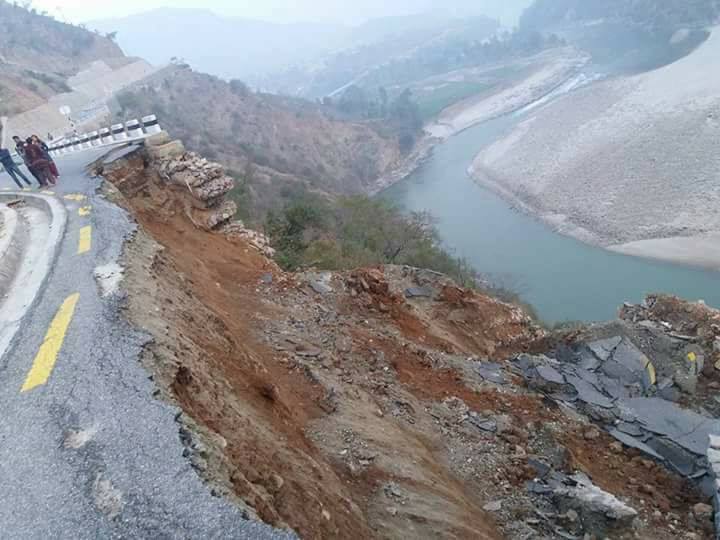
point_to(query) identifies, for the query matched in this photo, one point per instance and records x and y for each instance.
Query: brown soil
(346, 414)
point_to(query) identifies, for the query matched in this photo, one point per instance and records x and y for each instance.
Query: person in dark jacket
(35, 158)
(11, 167)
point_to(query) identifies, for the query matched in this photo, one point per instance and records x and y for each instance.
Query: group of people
(36, 155)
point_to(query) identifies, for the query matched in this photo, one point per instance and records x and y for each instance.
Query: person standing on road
(46, 149)
(11, 167)
(20, 148)
(35, 157)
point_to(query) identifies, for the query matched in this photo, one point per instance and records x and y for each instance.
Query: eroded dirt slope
(368, 404)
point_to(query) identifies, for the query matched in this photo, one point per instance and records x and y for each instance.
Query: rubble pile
(173, 178)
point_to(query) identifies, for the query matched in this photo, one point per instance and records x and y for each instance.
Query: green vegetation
(359, 231)
(434, 102)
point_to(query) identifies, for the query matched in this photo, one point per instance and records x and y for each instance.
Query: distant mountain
(223, 46)
(256, 51)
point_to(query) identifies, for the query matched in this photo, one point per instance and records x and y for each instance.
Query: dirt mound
(374, 404)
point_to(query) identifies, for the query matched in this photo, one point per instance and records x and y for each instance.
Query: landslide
(347, 404)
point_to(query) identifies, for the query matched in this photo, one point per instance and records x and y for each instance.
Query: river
(562, 278)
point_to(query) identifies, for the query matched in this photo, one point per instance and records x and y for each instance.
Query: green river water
(564, 279)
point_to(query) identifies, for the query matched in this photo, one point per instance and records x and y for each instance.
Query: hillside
(38, 54)
(388, 399)
(647, 13)
(279, 148)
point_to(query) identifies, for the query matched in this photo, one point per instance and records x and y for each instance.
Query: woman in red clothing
(36, 159)
(46, 149)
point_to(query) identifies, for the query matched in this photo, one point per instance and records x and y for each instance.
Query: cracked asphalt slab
(91, 453)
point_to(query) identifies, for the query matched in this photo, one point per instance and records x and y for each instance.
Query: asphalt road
(86, 451)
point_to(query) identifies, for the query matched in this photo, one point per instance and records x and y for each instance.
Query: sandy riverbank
(542, 74)
(630, 164)
(545, 72)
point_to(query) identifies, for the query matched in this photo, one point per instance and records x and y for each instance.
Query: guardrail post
(151, 125)
(133, 128)
(118, 132)
(105, 136)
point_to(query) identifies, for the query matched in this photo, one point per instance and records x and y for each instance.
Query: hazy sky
(276, 10)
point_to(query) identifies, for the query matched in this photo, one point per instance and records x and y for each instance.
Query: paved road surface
(85, 450)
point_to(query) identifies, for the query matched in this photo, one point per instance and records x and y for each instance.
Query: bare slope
(38, 54)
(359, 403)
(279, 147)
(624, 160)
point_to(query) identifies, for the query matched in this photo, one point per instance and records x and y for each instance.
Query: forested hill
(663, 14)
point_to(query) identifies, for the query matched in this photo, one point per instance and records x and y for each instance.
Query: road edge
(58, 225)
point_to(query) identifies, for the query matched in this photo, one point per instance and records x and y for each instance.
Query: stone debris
(418, 292)
(600, 511)
(256, 239)
(619, 393)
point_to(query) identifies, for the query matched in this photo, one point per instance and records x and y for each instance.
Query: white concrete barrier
(133, 128)
(118, 132)
(151, 125)
(105, 136)
(95, 138)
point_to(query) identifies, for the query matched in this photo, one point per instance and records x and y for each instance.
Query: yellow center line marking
(85, 242)
(84, 211)
(46, 192)
(47, 355)
(75, 197)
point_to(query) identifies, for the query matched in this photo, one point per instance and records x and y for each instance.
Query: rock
(616, 447)
(702, 511)
(166, 151)
(714, 385)
(307, 350)
(686, 382)
(276, 483)
(494, 506)
(571, 516)
(320, 287)
(716, 345)
(392, 511)
(267, 278)
(591, 434)
(158, 139)
(601, 512)
(715, 442)
(418, 292)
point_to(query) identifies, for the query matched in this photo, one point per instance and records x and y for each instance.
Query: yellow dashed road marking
(48, 192)
(85, 242)
(84, 211)
(75, 197)
(47, 355)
